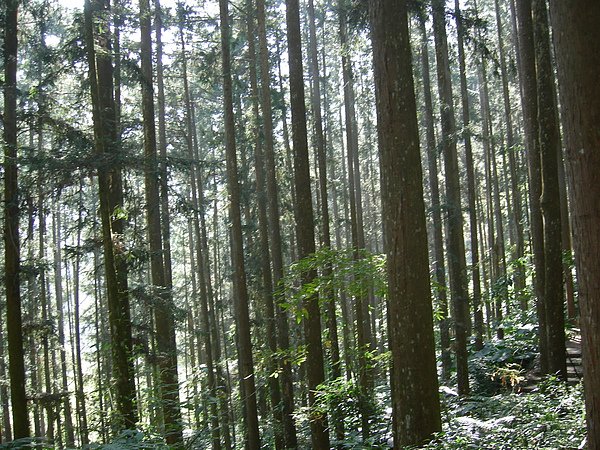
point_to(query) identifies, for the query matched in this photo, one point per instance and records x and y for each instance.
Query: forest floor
(513, 407)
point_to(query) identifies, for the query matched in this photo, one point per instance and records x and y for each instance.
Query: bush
(550, 418)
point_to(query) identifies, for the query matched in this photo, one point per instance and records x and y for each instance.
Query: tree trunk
(516, 224)
(578, 55)
(12, 265)
(274, 228)
(80, 393)
(46, 319)
(163, 315)
(111, 201)
(265, 257)
(548, 133)
(199, 272)
(5, 427)
(321, 157)
(304, 217)
(436, 208)
(363, 323)
(415, 398)
(529, 96)
(58, 292)
(455, 245)
(241, 299)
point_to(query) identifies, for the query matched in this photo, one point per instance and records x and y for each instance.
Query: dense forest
(349, 224)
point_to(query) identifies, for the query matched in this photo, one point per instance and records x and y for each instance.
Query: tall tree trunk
(516, 224)
(363, 323)
(578, 55)
(289, 428)
(12, 264)
(80, 393)
(548, 133)
(241, 299)
(304, 218)
(46, 313)
(471, 178)
(199, 272)
(33, 307)
(58, 292)
(455, 245)
(263, 225)
(162, 147)
(111, 200)
(415, 399)
(5, 427)
(529, 96)
(436, 208)
(321, 157)
(163, 308)
(490, 189)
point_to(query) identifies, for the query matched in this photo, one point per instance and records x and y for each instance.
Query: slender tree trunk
(241, 299)
(6, 429)
(274, 228)
(58, 292)
(199, 273)
(111, 200)
(80, 394)
(578, 55)
(516, 219)
(436, 208)
(548, 133)
(162, 148)
(471, 179)
(363, 323)
(415, 398)
(455, 245)
(529, 96)
(46, 313)
(265, 256)
(304, 218)
(12, 263)
(163, 314)
(321, 157)
(33, 307)
(346, 333)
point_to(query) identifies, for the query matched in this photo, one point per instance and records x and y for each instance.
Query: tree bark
(241, 299)
(516, 224)
(436, 208)
(304, 218)
(415, 399)
(455, 239)
(265, 258)
(111, 207)
(578, 55)
(289, 428)
(163, 308)
(12, 264)
(471, 179)
(549, 137)
(58, 292)
(529, 96)
(200, 273)
(363, 322)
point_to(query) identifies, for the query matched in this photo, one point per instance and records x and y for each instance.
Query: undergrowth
(552, 417)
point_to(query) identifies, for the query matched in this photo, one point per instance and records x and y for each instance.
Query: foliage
(550, 418)
(342, 398)
(356, 272)
(133, 440)
(502, 361)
